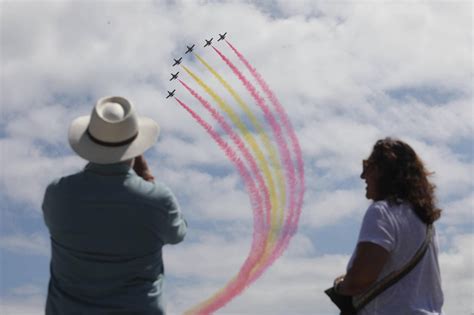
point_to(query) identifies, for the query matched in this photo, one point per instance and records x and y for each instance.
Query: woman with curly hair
(393, 229)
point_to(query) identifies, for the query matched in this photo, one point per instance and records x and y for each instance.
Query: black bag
(343, 302)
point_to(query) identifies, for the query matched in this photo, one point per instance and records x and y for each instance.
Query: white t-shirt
(398, 229)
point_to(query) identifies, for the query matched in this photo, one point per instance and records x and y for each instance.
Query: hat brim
(81, 143)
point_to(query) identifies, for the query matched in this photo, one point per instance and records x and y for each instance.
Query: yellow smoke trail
(277, 219)
(277, 211)
(261, 161)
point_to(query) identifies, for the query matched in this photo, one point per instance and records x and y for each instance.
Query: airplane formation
(208, 42)
(170, 94)
(177, 61)
(174, 76)
(222, 36)
(189, 49)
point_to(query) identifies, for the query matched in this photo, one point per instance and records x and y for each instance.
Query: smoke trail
(236, 285)
(270, 119)
(245, 133)
(283, 116)
(249, 158)
(283, 151)
(277, 219)
(263, 252)
(264, 263)
(293, 217)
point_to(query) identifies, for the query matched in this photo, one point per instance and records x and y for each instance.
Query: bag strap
(395, 276)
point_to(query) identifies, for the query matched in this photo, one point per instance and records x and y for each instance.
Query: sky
(347, 73)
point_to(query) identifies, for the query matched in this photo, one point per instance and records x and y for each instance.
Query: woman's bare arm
(366, 267)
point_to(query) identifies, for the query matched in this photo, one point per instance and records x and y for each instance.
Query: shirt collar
(108, 169)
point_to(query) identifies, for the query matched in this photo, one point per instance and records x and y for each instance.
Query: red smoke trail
(285, 153)
(241, 146)
(283, 148)
(236, 285)
(283, 116)
(281, 145)
(294, 215)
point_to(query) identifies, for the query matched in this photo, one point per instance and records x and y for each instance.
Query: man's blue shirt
(107, 228)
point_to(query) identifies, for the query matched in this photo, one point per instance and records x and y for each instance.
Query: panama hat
(112, 133)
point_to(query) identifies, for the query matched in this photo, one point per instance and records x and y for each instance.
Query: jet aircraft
(170, 94)
(222, 36)
(190, 48)
(174, 76)
(177, 61)
(208, 42)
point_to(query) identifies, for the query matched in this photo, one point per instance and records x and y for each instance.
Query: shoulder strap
(395, 276)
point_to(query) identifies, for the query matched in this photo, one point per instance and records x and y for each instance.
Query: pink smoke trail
(300, 166)
(236, 285)
(293, 217)
(289, 169)
(283, 116)
(283, 148)
(240, 145)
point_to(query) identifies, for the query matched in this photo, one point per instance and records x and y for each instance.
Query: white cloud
(440, 124)
(291, 285)
(28, 299)
(33, 244)
(334, 66)
(295, 284)
(459, 211)
(49, 124)
(457, 274)
(27, 290)
(207, 197)
(29, 170)
(337, 146)
(218, 258)
(199, 151)
(452, 174)
(329, 207)
(17, 306)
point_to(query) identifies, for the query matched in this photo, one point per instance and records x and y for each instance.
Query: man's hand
(141, 168)
(337, 282)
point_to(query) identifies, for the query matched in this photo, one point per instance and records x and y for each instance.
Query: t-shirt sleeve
(377, 227)
(48, 202)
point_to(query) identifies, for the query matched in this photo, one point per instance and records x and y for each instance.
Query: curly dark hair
(403, 176)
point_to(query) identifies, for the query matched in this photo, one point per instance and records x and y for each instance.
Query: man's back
(107, 228)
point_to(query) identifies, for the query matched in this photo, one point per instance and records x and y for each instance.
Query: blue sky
(347, 73)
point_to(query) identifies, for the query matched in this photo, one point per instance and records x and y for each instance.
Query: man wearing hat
(109, 222)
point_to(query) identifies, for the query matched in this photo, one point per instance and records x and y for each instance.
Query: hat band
(111, 144)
